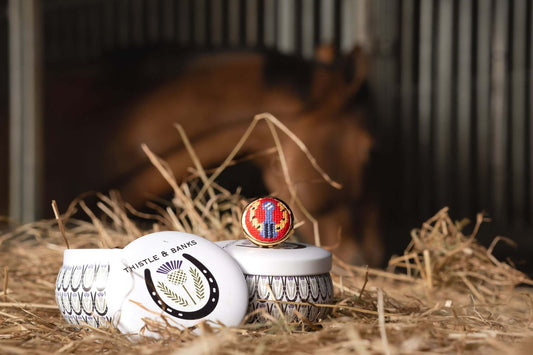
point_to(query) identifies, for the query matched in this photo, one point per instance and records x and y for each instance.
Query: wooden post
(25, 170)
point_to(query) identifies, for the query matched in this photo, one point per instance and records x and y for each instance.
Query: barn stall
(450, 84)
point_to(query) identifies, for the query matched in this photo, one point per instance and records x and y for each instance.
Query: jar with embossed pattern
(173, 278)
(84, 284)
(296, 275)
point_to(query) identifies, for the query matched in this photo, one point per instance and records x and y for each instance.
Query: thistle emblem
(206, 290)
(178, 277)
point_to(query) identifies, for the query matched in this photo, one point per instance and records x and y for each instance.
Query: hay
(451, 258)
(454, 296)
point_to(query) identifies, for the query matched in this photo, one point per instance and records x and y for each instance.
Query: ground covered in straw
(446, 294)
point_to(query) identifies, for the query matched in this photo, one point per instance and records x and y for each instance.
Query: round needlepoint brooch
(267, 221)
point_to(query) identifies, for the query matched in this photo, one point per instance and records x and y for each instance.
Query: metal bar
(317, 31)
(225, 23)
(251, 21)
(167, 20)
(25, 170)
(233, 13)
(362, 38)
(109, 29)
(208, 23)
(261, 23)
(191, 16)
(348, 14)
(483, 67)
(385, 81)
(424, 104)
(286, 40)
(152, 20)
(4, 130)
(530, 109)
(387, 28)
(326, 21)
(216, 18)
(270, 13)
(464, 109)
(443, 112)
(308, 17)
(276, 22)
(183, 27)
(499, 111)
(123, 20)
(242, 22)
(408, 124)
(518, 105)
(137, 23)
(337, 25)
(297, 27)
(199, 22)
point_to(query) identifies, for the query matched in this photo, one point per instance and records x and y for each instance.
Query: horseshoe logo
(178, 277)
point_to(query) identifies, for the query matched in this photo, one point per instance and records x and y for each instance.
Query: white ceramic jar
(84, 284)
(296, 273)
(180, 277)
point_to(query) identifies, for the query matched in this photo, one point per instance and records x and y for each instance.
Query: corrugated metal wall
(4, 136)
(452, 79)
(454, 82)
(84, 29)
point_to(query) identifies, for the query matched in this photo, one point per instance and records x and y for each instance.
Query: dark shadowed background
(450, 89)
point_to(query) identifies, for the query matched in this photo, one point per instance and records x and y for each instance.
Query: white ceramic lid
(286, 259)
(184, 277)
(90, 256)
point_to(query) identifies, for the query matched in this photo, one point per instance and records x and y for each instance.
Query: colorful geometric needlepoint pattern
(267, 221)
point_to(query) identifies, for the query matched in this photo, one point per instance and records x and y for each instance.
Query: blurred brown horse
(214, 100)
